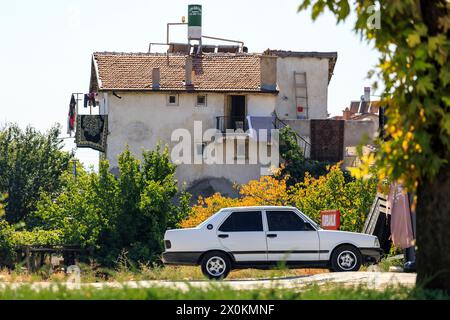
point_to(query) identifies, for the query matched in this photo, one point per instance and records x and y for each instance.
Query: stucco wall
(354, 131)
(317, 81)
(261, 105)
(140, 120)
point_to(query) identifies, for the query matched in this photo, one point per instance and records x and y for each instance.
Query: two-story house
(151, 97)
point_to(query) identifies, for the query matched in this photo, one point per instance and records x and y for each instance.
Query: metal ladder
(301, 95)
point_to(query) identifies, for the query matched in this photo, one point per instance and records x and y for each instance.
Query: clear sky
(46, 47)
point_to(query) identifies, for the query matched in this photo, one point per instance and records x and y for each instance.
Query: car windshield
(310, 220)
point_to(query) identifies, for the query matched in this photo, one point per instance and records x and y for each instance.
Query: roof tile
(213, 72)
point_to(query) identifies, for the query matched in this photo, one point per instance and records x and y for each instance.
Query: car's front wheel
(216, 265)
(346, 258)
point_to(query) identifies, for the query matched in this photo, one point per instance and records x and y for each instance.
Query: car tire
(346, 258)
(216, 265)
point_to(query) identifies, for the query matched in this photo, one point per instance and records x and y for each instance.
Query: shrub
(268, 190)
(7, 253)
(295, 166)
(112, 215)
(331, 191)
(31, 162)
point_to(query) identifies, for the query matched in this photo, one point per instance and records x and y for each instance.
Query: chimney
(268, 65)
(367, 94)
(346, 114)
(188, 71)
(156, 78)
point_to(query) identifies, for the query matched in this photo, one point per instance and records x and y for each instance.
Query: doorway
(236, 113)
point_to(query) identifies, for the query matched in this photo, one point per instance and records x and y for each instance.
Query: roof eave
(189, 90)
(97, 79)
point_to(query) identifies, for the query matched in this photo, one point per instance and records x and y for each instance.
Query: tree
(327, 192)
(413, 40)
(268, 190)
(331, 192)
(295, 165)
(30, 163)
(116, 215)
(2, 207)
(6, 239)
(75, 214)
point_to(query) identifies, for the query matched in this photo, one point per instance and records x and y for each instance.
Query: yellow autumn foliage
(311, 196)
(268, 190)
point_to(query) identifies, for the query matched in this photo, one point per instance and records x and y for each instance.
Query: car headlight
(376, 243)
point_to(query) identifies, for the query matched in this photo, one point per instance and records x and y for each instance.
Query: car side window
(242, 221)
(285, 221)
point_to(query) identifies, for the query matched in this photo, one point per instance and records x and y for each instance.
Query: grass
(58, 292)
(174, 273)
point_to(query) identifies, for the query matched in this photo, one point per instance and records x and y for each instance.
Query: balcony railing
(224, 123)
(301, 142)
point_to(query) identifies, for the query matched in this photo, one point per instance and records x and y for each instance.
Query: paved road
(375, 280)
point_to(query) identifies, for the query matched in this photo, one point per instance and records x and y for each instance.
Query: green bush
(116, 215)
(7, 252)
(332, 192)
(31, 162)
(295, 166)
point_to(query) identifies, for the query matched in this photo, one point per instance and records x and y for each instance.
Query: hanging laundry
(86, 100)
(89, 100)
(401, 225)
(72, 114)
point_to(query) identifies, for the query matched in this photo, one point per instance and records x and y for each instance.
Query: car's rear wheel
(346, 258)
(216, 265)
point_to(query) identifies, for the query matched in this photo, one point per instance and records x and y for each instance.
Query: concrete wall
(140, 120)
(261, 105)
(354, 131)
(317, 81)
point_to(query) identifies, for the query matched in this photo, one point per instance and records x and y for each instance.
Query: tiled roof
(212, 72)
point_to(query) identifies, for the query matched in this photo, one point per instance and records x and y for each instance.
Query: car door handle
(272, 235)
(223, 236)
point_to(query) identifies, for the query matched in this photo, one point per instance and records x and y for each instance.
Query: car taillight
(167, 244)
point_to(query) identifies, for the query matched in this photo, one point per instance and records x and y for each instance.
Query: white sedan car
(265, 237)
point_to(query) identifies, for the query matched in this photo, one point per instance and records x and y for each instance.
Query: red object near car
(330, 219)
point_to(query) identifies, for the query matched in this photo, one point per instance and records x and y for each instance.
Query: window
(201, 100)
(172, 100)
(243, 221)
(285, 221)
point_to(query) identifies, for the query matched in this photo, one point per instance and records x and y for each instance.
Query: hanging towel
(401, 226)
(86, 100)
(72, 114)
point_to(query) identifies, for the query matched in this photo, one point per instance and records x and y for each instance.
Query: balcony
(224, 123)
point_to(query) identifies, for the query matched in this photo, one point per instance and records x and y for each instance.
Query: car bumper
(371, 255)
(181, 258)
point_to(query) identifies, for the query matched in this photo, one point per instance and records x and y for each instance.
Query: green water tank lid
(194, 15)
